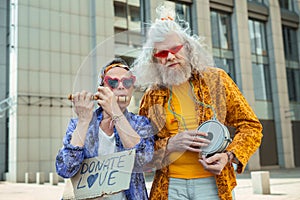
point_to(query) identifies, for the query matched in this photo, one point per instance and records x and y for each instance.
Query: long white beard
(175, 76)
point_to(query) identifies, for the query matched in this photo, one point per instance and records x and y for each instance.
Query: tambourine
(218, 135)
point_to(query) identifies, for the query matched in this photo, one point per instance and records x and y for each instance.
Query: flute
(96, 97)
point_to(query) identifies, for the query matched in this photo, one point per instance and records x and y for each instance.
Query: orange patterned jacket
(213, 87)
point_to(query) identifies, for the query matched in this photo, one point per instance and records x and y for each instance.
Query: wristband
(115, 119)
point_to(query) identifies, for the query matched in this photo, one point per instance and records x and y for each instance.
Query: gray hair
(145, 66)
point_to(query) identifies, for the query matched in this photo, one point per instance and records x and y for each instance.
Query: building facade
(50, 49)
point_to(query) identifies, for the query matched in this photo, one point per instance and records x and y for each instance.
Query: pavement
(284, 184)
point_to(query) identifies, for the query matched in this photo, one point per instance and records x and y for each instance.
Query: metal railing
(5, 105)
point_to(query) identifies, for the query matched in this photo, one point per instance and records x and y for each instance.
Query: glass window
(293, 79)
(183, 11)
(292, 62)
(135, 15)
(127, 24)
(260, 60)
(290, 43)
(227, 65)
(215, 27)
(258, 38)
(120, 10)
(262, 84)
(127, 16)
(286, 4)
(257, 1)
(222, 41)
(221, 30)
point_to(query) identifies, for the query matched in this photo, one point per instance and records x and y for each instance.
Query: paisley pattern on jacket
(214, 87)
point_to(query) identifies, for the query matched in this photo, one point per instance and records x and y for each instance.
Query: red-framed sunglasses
(165, 53)
(113, 83)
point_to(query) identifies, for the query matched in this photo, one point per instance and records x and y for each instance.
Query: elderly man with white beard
(185, 91)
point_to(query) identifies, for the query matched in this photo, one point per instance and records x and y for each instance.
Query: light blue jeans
(193, 189)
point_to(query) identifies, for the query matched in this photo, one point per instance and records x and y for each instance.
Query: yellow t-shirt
(183, 164)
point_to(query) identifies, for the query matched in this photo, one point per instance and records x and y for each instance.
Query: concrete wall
(54, 42)
(3, 84)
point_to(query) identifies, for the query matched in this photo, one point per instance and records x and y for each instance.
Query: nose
(170, 56)
(121, 86)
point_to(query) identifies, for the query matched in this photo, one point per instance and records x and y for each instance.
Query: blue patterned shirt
(69, 158)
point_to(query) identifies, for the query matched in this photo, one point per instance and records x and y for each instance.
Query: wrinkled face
(121, 82)
(171, 54)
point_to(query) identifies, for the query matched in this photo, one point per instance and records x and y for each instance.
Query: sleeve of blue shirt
(70, 157)
(145, 148)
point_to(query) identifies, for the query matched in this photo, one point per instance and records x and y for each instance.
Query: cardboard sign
(103, 175)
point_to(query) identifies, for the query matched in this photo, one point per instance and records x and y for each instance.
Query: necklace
(202, 103)
(178, 116)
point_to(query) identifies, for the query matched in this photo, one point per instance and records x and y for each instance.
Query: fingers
(83, 103)
(218, 157)
(104, 94)
(82, 96)
(104, 91)
(198, 139)
(187, 141)
(89, 96)
(215, 163)
(215, 169)
(193, 149)
(203, 141)
(107, 100)
(76, 97)
(197, 145)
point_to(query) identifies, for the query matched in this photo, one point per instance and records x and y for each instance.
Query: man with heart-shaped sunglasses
(110, 128)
